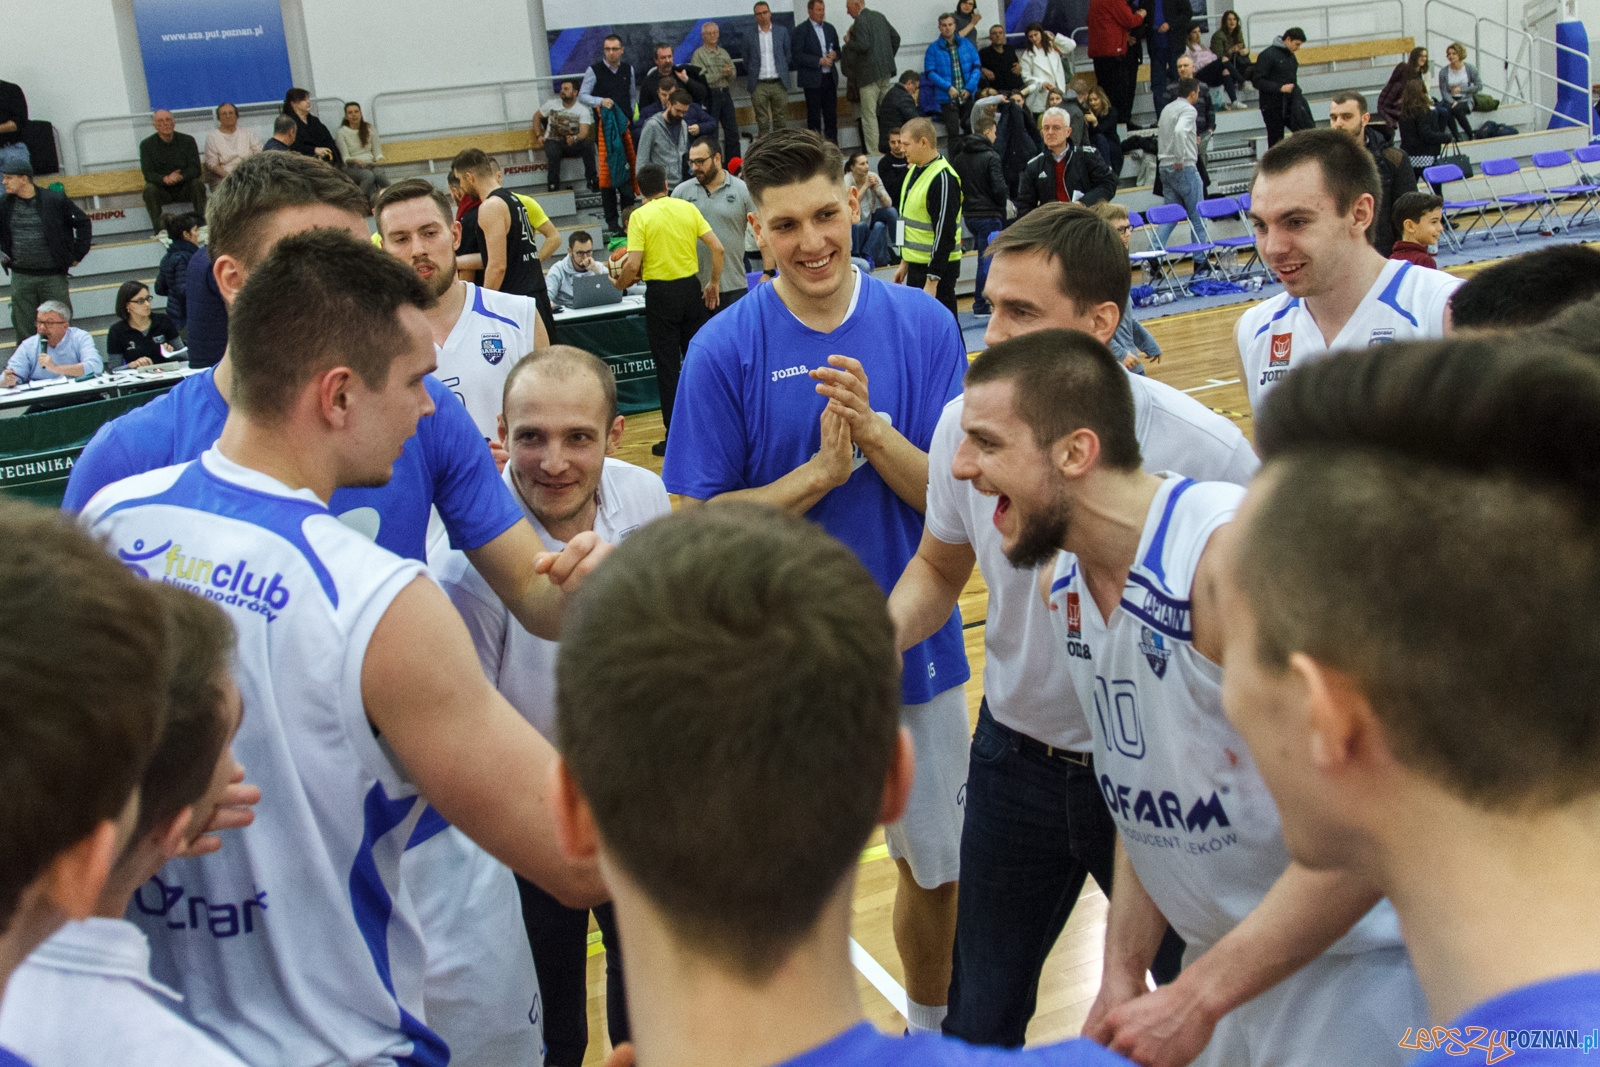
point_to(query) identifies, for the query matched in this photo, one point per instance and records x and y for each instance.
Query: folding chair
(1443, 174)
(1171, 215)
(1544, 216)
(1155, 255)
(1226, 209)
(1558, 160)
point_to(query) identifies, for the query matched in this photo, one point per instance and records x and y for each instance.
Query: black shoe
(659, 448)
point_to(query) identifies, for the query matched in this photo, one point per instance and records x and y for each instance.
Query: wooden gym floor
(1200, 359)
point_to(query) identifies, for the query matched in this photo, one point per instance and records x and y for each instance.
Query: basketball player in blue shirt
(76, 730)
(1418, 570)
(725, 756)
(750, 424)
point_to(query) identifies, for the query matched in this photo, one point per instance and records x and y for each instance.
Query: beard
(1041, 536)
(444, 276)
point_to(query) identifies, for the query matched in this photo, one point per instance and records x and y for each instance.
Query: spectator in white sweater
(227, 144)
(361, 150)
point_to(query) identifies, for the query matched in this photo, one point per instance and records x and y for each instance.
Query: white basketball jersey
(1024, 679)
(1406, 303)
(295, 943)
(522, 666)
(494, 331)
(1190, 806)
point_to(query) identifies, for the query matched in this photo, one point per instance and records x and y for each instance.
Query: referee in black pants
(661, 249)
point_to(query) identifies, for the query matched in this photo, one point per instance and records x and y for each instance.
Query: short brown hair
(680, 96)
(790, 157)
(1350, 96)
(734, 739)
(268, 182)
(1062, 381)
(474, 161)
(200, 640)
(983, 122)
(1091, 262)
(412, 189)
(83, 689)
(337, 297)
(1480, 654)
(1348, 169)
(561, 361)
(919, 129)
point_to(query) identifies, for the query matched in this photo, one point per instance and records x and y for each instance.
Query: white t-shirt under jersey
(296, 942)
(1406, 303)
(519, 664)
(494, 331)
(86, 997)
(1025, 679)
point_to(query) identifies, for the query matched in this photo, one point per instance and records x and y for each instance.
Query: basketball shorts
(928, 835)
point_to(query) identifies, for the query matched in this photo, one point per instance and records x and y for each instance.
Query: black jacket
(172, 280)
(1086, 173)
(897, 108)
(983, 182)
(310, 135)
(1421, 134)
(1180, 16)
(695, 86)
(1016, 140)
(67, 230)
(1397, 179)
(1275, 67)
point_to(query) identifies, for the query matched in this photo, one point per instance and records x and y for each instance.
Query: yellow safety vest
(919, 231)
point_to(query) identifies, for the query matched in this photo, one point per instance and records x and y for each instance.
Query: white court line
(1212, 383)
(881, 979)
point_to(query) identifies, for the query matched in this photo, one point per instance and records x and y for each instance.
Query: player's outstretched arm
(534, 583)
(900, 463)
(928, 589)
(1134, 928)
(1302, 914)
(470, 753)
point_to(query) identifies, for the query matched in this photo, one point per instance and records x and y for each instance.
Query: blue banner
(200, 53)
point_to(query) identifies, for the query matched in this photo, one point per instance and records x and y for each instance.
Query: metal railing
(95, 140)
(392, 110)
(1521, 73)
(1307, 18)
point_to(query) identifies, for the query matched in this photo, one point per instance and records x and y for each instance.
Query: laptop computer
(594, 290)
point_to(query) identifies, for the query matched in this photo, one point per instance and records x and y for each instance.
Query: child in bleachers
(1132, 343)
(1419, 220)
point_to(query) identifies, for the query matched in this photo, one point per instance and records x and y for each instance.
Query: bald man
(171, 164)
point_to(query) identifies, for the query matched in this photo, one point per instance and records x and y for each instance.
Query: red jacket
(1109, 23)
(1412, 252)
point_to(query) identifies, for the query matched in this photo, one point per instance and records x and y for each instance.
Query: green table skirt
(620, 340)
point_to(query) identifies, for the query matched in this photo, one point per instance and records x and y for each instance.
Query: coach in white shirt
(560, 426)
(1035, 824)
(1313, 201)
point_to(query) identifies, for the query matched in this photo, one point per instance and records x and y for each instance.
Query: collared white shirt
(769, 66)
(822, 35)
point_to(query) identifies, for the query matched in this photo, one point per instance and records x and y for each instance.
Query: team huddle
(1317, 715)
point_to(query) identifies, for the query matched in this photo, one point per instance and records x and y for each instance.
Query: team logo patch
(1380, 337)
(1074, 616)
(1279, 357)
(1155, 650)
(493, 349)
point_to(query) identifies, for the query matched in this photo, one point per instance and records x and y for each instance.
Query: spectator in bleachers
(870, 46)
(1459, 86)
(1276, 78)
(563, 122)
(1348, 112)
(362, 151)
(1412, 68)
(768, 62)
(172, 278)
(983, 194)
(140, 336)
(56, 349)
(1100, 121)
(872, 233)
(1422, 136)
(677, 75)
(1168, 32)
(716, 68)
(1530, 289)
(578, 261)
(898, 107)
(1179, 152)
(284, 132)
(469, 261)
(665, 136)
(1205, 116)
(1063, 171)
(699, 121)
(42, 236)
(816, 55)
(227, 144)
(1419, 219)
(1002, 66)
(967, 17)
(893, 166)
(13, 113)
(1228, 43)
(1132, 343)
(1111, 27)
(311, 137)
(1213, 70)
(170, 162)
(608, 88)
(950, 66)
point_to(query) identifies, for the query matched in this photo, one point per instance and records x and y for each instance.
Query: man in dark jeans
(816, 55)
(1276, 78)
(42, 236)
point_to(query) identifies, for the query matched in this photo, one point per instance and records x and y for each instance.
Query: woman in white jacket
(1046, 65)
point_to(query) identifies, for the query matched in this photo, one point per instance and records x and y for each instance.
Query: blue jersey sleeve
(473, 502)
(707, 449)
(947, 365)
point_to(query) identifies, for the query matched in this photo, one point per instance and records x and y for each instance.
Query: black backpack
(1493, 129)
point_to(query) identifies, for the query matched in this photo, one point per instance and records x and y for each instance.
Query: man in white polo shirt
(1036, 825)
(1313, 199)
(560, 426)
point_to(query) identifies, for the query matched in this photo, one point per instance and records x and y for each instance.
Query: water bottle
(1146, 273)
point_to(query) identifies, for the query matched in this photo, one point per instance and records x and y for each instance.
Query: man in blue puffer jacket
(950, 78)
